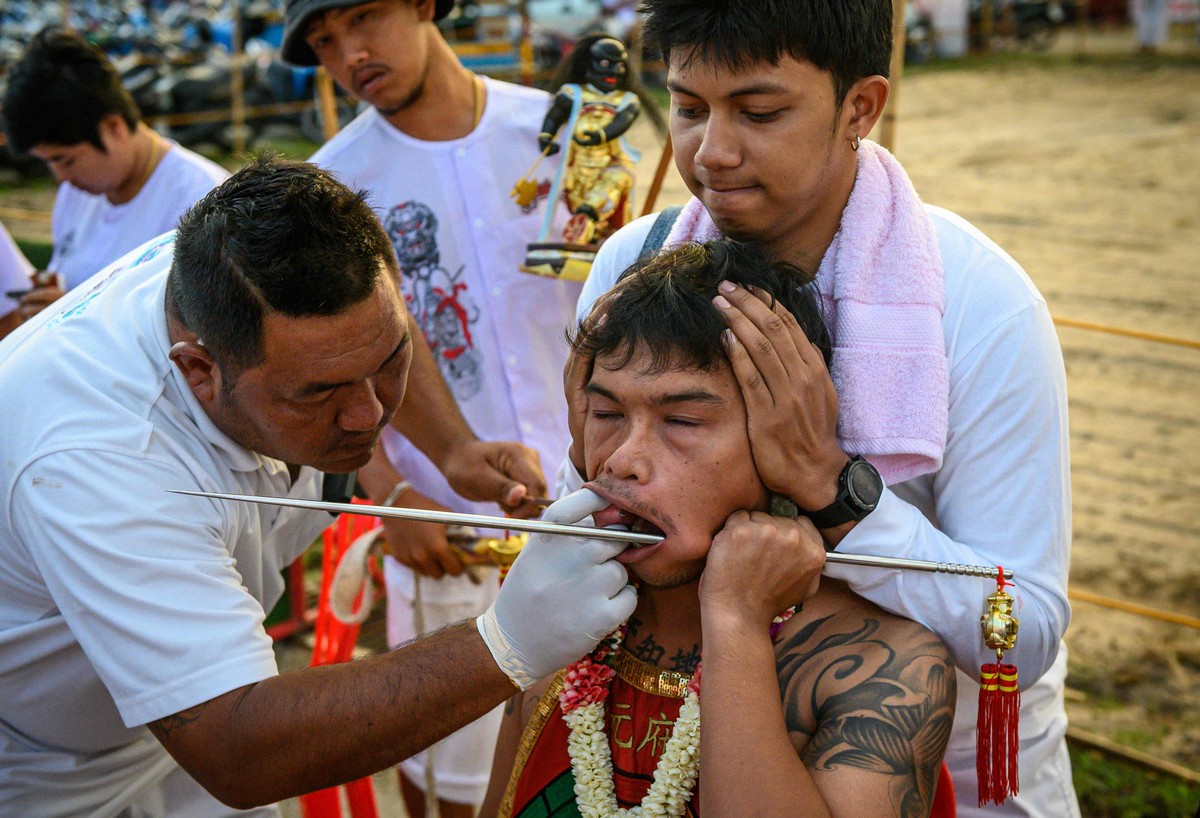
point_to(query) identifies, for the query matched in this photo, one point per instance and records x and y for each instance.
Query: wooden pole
(64, 9)
(526, 46)
(664, 161)
(887, 128)
(987, 19)
(238, 86)
(1082, 12)
(327, 104)
(1158, 765)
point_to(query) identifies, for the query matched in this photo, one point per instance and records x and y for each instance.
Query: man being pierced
(848, 713)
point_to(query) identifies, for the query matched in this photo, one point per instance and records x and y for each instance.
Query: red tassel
(999, 703)
(996, 751)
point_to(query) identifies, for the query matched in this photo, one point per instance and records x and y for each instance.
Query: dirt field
(1088, 178)
(1087, 174)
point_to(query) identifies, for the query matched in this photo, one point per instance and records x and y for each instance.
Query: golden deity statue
(596, 177)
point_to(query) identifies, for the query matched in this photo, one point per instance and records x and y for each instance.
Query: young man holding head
(847, 714)
(438, 151)
(947, 375)
(121, 183)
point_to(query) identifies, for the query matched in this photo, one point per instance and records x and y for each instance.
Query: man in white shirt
(438, 151)
(121, 184)
(767, 124)
(263, 344)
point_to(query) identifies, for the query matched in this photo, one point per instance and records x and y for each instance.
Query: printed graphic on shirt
(437, 298)
(528, 194)
(66, 245)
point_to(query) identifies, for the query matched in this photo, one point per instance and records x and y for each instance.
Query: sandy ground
(1087, 174)
(1088, 178)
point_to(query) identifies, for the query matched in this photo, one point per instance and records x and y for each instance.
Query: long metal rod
(543, 527)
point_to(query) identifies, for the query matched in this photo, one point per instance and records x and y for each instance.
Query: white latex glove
(560, 598)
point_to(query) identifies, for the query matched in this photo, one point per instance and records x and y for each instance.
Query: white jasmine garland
(591, 763)
(584, 691)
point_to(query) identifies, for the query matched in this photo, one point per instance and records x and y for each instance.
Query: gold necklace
(147, 172)
(151, 163)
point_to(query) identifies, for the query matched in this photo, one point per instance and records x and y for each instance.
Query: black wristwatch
(859, 490)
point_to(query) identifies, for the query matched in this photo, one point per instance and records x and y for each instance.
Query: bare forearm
(9, 322)
(428, 416)
(748, 765)
(323, 726)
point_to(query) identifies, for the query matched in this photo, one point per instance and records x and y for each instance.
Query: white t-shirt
(15, 271)
(119, 602)
(1001, 497)
(89, 232)
(497, 333)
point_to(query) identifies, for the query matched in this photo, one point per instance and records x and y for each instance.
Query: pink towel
(884, 295)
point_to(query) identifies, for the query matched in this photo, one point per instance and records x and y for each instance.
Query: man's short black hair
(663, 306)
(60, 90)
(851, 39)
(277, 236)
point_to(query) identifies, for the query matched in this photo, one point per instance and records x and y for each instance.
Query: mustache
(621, 492)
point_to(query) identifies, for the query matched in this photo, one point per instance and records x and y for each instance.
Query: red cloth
(639, 725)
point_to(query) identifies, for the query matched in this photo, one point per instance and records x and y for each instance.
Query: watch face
(864, 485)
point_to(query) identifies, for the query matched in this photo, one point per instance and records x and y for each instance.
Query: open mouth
(616, 518)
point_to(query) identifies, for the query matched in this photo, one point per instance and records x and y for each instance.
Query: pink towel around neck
(884, 296)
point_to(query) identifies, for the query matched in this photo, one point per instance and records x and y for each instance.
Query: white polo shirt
(119, 602)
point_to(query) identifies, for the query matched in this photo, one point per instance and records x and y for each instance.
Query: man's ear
(199, 369)
(113, 130)
(863, 106)
(425, 9)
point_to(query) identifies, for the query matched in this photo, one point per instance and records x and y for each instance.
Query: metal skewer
(544, 527)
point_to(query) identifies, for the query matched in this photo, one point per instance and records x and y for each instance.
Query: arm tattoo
(163, 728)
(854, 698)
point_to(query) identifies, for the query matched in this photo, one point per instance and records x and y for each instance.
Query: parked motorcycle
(919, 37)
(1032, 24)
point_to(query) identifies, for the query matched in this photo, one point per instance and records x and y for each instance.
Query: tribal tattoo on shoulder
(853, 699)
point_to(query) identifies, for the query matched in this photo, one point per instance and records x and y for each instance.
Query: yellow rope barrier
(22, 215)
(1098, 742)
(1127, 333)
(223, 114)
(1134, 608)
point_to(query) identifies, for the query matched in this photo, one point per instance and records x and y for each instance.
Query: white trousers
(1152, 22)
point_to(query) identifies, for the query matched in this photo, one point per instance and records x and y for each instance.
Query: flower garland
(582, 700)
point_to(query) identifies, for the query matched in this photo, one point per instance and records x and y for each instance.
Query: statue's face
(608, 64)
